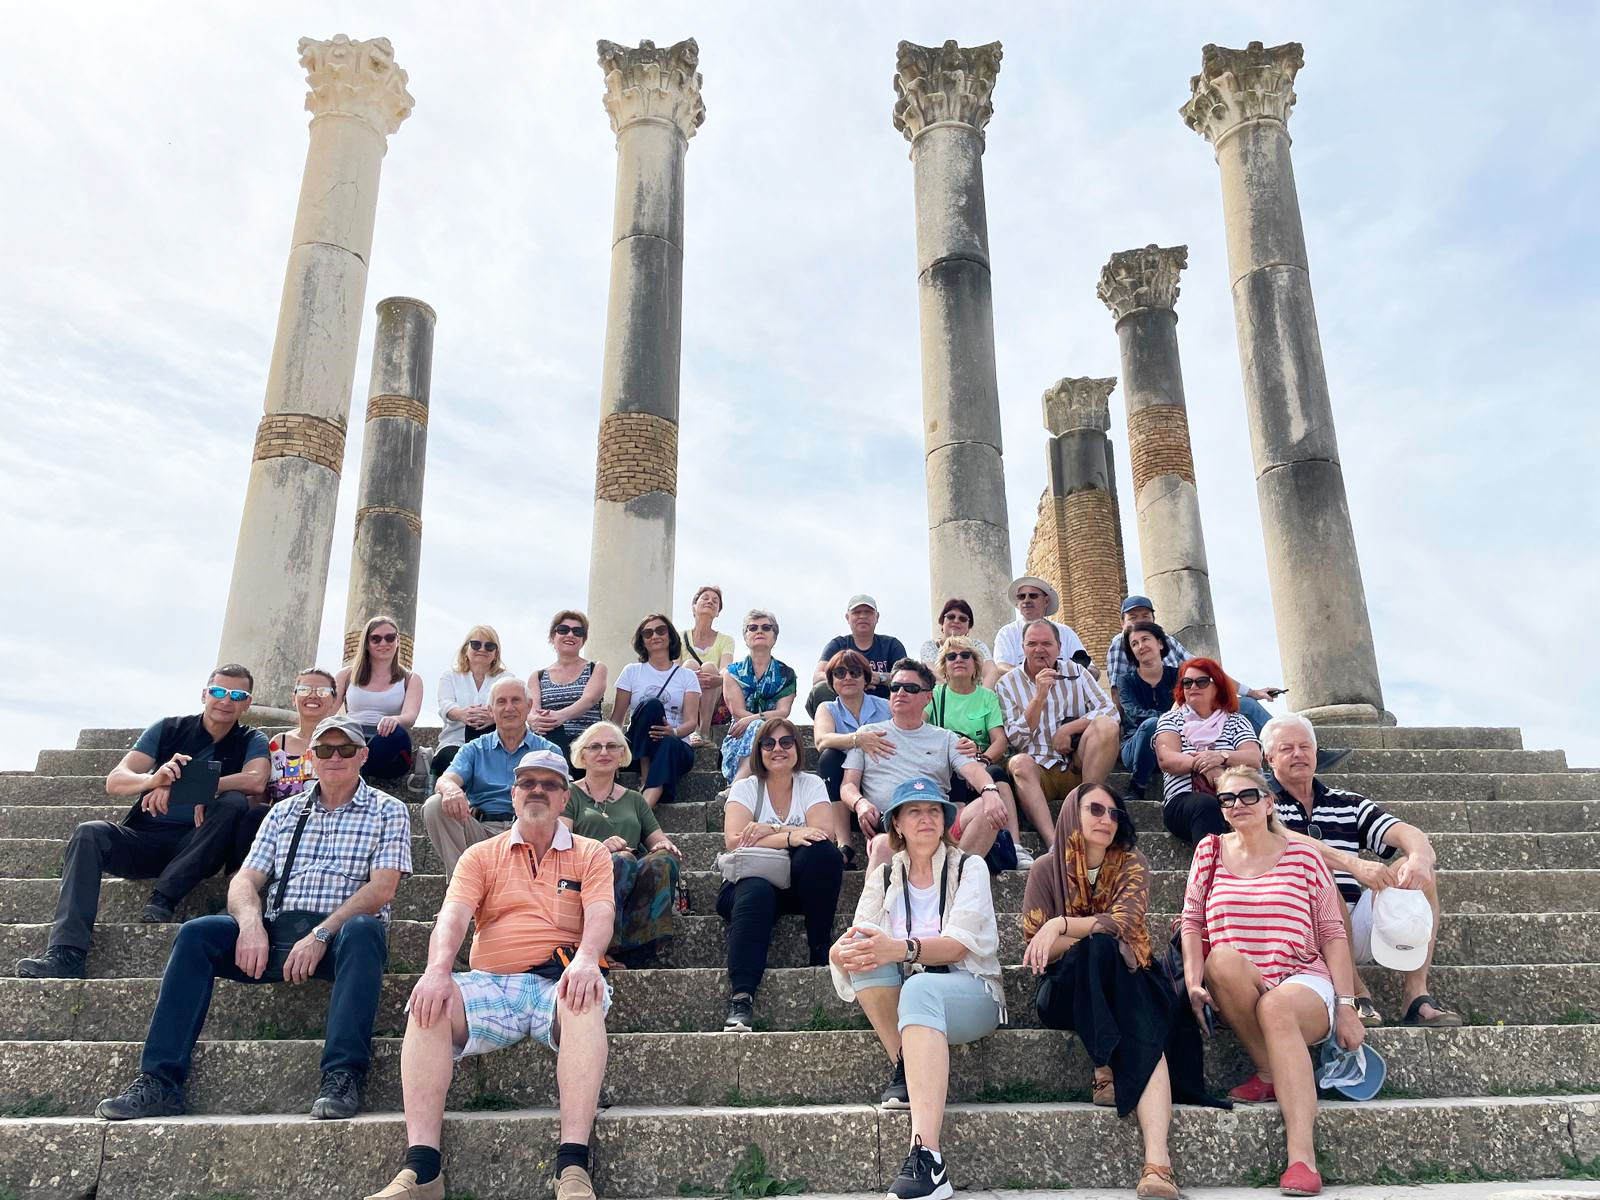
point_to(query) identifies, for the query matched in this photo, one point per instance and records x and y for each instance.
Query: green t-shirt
(972, 715)
(627, 817)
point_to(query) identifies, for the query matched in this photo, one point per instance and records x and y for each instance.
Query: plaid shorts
(502, 1010)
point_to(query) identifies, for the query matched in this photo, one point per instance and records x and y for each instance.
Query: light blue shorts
(957, 1004)
(502, 1010)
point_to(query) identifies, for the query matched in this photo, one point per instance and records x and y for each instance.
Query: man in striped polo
(1341, 824)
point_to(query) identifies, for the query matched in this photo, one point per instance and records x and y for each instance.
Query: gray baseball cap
(543, 760)
(859, 599)
(342, 722)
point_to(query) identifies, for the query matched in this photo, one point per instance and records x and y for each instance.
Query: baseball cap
(543, 760)
(1130, 603)
(342, 722)
(1355, 1074)
(859, 599)
(921, 789)
(1402, 926)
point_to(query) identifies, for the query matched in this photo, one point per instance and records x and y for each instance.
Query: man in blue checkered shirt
(329, 860)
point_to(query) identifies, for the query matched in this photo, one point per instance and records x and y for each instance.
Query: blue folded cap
(1355, 1074)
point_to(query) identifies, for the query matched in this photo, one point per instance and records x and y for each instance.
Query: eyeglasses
(570, 631)
(958, 656)
(376, 638)
(1197, 682)
(607, 747)
(1247, 797)
(237, 695)
(343, 750)
(762, 628)
(786, 742)
(491, 647)
(656, 631)
(915, 689)
(849, 673)
(306, 689)
(541, 785)
(1099, 811)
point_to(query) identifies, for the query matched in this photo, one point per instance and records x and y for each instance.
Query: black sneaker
(741, 1014)
(146, 1096)
(159, 911)
(340, 1097)
(895, 1095)
(922, 1178)
(58, 962)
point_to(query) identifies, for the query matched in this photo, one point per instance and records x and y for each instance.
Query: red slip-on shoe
(1254, 1090)
(1300, 1180)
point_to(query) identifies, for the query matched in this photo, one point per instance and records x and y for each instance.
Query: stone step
(258, 1077)
(828, 1148)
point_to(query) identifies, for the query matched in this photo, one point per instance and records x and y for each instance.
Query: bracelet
(855, 739)
(788, 839)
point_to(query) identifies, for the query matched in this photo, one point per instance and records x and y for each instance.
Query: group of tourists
(543, 813)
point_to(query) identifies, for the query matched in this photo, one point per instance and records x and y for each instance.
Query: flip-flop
(1368, 1012)
(1445, 1020)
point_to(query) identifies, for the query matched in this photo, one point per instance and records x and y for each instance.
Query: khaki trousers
(451, 837)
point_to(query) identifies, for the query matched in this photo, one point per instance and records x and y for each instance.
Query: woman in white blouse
(464, 694)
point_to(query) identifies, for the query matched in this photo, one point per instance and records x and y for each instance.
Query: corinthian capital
(1235, 86)
(1078, 404)
(1147, 278)
(937, 84)
(650, 84)
(359, 79)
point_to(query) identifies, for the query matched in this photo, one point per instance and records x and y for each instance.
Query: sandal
(1445, 1020)
(1158, 1183)
(848, 852)
(1368, 1012)
(695, 740)
(1103, 1092)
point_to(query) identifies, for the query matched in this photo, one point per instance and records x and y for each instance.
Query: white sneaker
(1024, 858)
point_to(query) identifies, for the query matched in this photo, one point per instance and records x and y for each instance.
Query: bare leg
(1097, 749)
(879, 851)
(1349, 936)
(882, 1006)
(1292, 1017)
(744, 767)
(1416, 983)
(426, 1063)
(841, 823)
(1155, 1115)
(1030, 795)
(977, 835)
(1235, 985)
(927, 1056)
(580, 1066)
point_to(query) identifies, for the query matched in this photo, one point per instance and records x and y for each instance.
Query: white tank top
(367, 706)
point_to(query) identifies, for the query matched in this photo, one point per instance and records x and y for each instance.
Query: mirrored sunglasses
(237, 695)
(322, 692)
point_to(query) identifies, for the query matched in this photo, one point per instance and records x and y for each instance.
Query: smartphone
(1208, 1021)
(1274, 693)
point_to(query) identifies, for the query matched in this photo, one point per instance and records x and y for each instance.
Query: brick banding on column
(1089, 523)
(301, 435)
(403, 407)
(638, 454)
(413, 522)
(1049, 552)
(1158, 444)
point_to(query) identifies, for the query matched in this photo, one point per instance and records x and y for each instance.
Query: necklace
(606, 799)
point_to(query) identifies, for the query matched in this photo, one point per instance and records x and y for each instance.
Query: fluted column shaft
(1241, 102)
(280, 569)
(386, 561)
(1077, 414)
(1140, 287)
(942, 108)
(653, 98)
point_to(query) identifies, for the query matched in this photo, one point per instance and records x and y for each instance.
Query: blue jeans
(1138, 752)
(203, 953)
(956, 1004)
(1255, 712)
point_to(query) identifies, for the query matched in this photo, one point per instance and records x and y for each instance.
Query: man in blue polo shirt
(473, 801)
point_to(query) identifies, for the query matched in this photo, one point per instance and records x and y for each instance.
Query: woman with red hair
(1200, 735)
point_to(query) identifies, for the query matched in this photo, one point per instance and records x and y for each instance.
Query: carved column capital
(936, 85)
(1147, 278)
(1078, 404)
(358, 79)
(645, 83)
(1236, 86)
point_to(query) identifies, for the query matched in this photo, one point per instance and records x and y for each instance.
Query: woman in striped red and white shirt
(1263, 930)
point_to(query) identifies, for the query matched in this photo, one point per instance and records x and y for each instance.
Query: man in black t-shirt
(880, 651)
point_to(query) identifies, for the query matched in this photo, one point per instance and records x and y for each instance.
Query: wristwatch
(990, 788)
(1349, 1001)
(322, 934)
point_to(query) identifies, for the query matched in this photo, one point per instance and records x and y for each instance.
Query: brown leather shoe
(1103, 1092)
(404, 1186)
(574, 1184)
(1158, 1183)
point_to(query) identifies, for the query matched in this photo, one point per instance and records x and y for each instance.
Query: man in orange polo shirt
(532, 890)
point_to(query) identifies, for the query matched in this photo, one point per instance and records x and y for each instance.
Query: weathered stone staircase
(1516, 1094)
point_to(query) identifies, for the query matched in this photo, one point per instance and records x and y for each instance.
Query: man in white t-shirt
(1035, 599)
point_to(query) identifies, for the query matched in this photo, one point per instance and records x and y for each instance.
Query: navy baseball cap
(1133, 602)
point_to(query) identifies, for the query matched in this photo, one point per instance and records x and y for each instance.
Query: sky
(1447, 166)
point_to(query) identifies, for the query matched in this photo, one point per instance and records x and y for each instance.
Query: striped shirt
(1279, 920)
(1074, 695)
(1236, 731)
(1344, 820)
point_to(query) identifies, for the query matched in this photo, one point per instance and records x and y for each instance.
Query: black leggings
(752, 907)
(830, 766)
(671, 758)
(1189, 816)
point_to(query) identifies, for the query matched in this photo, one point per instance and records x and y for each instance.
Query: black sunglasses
(375, 638)
(571, 631)
(955, 655)
(1247, 797)
(786, 742)
(1098, 810)
(849, 673)
(1197, 681)
(916, 689)
(491, 647)
(656, 631)
(762, 628)
(343, 750)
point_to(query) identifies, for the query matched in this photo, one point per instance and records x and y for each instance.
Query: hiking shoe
(896, 1095)
(574, 1184)
(741, 1014)
(922, 1177)
(340, 1097)
(58, 962)
(1254, 1090)
(160, 910)
(146, 1096)
(404, 1186)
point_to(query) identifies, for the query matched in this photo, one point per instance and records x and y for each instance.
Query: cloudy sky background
(1447, 168)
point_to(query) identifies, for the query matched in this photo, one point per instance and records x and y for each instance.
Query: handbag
(755, 862)
(1172, 960)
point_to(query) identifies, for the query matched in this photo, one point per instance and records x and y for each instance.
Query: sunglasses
(849, 673)
(237, 695)
(376, 638)
(306, 689)
(541, 785)
(491, 647)
(1099, 811)
(343, 750)
(570, 631)
(958, 656)
(915, 689)
(1030, 595)
(656, 631)
(955, 615)
(762, 628)
(1247, 797)
(786, 742)
(1197, 682)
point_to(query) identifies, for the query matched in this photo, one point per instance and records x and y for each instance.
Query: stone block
(49, 1158)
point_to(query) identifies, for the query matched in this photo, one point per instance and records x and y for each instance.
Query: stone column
(358, 98)
(1240, 104)
(942, 106)
(653, 99)
(1140, 287)
(387, 558)
(1077, 413)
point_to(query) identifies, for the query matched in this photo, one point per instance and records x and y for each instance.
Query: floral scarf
(761, 695)
(1119, 898)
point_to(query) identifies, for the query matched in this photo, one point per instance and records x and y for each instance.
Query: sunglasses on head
(761, 628)
(915, 689)
(570, 631)
(1245, 796)
(343, 750)
(786, 742)
(305, 689)
(475, 644)
(1098, 810)
(958, 656)
(1197, 682)
(237, 695)
(376, 638)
